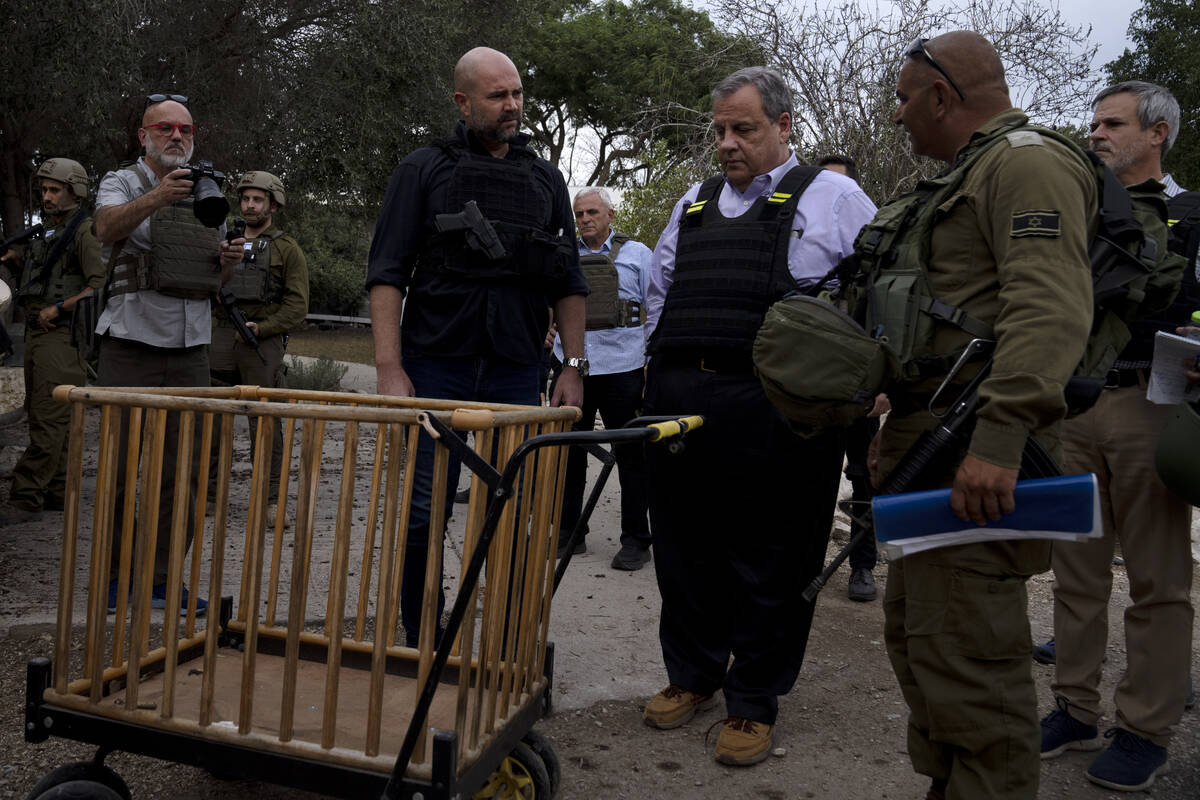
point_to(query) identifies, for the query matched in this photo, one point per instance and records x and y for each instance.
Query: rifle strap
(63, 246)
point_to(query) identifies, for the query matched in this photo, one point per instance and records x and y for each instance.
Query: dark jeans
(128, 363)
(618, 398)
(740, 521)
(486, 379)
(858, 439)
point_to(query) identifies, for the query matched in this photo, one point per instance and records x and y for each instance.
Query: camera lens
(210, 205)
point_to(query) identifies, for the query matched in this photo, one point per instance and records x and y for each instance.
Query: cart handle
(675, 427)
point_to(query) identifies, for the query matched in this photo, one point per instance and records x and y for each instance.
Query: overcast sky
(1109, 20)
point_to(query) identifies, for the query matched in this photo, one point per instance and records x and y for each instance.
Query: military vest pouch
(818, 366)
(183, 256)
(251, 281)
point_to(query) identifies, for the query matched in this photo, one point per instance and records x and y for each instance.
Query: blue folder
(1065, 507)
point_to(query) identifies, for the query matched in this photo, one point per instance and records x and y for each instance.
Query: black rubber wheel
(79, 790)
(520, 776)
(540, 745)
(81, 771)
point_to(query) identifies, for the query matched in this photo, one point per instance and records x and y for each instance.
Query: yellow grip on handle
(674, 427)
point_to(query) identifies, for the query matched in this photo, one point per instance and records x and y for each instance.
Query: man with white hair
(163, 265)
(618, 273)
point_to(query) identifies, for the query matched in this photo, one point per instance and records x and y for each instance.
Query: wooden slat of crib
(102, 529)
(310, 469)
(144, 548)
(128, 521)
(253, 567)
(336, 613)
(368, 551)
(388, 443)
(433, 580)
(220, 520)
(175, 558)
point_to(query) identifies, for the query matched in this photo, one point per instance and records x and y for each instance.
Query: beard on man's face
(495, 130)
(172, 154)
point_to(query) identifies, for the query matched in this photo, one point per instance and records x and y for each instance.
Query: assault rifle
(936, 451)
(235, 314)
(481, 235)
(21, 238)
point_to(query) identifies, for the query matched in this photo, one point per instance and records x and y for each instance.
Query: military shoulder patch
(1023, 138)
(1035, 222)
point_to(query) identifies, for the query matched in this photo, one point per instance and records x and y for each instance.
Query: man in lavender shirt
(740, 519)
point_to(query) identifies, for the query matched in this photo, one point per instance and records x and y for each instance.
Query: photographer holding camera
(160, 222)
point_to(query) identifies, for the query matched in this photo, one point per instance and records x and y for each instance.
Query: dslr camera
(209, 204)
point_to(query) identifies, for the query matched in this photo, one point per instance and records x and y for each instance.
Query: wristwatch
(578, 363)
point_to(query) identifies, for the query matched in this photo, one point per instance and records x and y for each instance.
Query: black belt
(1124, 378)
(724, 363)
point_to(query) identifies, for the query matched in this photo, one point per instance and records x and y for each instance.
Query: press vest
(606, 309)
(519, 209)
(728, 271)
(182, 261)
(66, 277)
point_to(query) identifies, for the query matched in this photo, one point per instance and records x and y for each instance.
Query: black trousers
(128, 363)
(858, 439)
(740, 521)
(618, 398)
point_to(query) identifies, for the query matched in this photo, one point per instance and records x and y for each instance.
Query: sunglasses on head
(917, 48)
(151, 99)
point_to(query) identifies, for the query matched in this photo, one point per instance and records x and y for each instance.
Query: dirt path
(841, 729)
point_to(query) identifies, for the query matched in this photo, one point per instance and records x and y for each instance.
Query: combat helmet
(257, 179)
(64, 170)
(1176, 456)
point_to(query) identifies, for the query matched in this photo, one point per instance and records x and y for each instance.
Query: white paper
(1167, 385)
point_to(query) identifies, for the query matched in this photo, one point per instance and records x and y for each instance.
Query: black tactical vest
(728, 271)
(518, 206)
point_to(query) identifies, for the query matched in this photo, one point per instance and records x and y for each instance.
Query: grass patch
(344, 343)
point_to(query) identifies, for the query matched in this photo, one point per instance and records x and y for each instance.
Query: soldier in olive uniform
(1005, 234)
(270, 286)
(63, 267)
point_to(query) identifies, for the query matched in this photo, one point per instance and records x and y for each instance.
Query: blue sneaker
(1062, 732)
(1044, 653)
(158, 599)
(1130, 764)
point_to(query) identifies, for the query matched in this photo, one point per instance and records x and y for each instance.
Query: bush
(322, 375)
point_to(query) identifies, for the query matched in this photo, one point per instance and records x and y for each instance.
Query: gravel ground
(840, 732)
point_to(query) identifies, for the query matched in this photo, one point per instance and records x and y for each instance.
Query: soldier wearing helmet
(61, 269)
(271, 288)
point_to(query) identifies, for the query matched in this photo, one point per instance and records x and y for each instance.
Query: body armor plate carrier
(60, 282)
(183, 258)
(518, 206)
(251, 281)
(606, 309)
(728, 271)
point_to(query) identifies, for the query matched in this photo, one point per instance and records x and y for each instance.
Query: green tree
(611, 78)
(1165, 33)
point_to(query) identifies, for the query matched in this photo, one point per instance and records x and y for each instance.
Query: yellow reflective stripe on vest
(779, 197)
(694, 207)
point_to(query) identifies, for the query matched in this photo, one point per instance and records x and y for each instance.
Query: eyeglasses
(169, 128)
(917, 48)
(151, 99)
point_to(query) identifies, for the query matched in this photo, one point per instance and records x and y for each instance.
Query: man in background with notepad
(1008, 248)
(1133, 126)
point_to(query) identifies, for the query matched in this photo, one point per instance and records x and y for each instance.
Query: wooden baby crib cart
(299, 676)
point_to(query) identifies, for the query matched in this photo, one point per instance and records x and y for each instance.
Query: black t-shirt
(448, 317)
